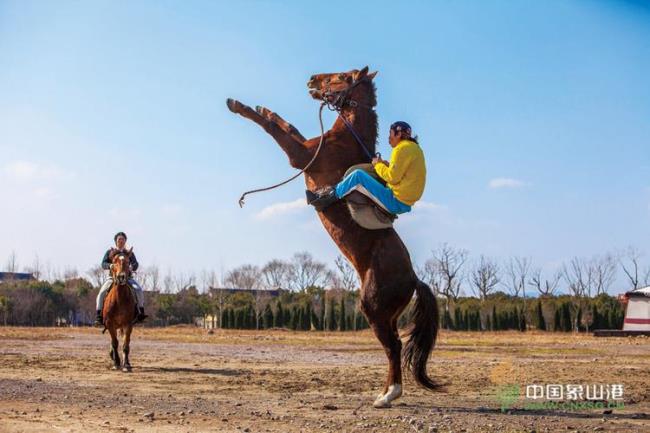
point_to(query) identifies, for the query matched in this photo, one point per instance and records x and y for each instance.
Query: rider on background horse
(120, 243)
(405, 176)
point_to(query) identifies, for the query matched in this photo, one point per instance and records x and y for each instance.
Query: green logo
(507, 395)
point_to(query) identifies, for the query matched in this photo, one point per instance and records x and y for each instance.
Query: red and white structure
(637, 313)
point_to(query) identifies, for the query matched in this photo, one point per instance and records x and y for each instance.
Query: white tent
(637, 313)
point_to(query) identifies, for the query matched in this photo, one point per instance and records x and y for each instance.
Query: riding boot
(322, 198)
(98, 320)
(141, 315)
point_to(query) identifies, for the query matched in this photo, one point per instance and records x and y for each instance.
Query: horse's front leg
(285, 134)
(115, 355)
(126, 346)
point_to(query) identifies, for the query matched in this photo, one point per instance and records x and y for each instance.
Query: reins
(335, 105)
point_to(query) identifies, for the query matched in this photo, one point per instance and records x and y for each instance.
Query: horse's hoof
(126, 369)
(233, 105)
(381, 403)
(114, 368)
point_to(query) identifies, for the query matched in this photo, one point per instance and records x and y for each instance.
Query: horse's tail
(422, 336)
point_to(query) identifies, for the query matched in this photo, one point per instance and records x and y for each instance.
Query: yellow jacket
(406, 173)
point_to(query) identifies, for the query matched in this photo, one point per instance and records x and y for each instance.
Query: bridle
(334, 101)
(123, 277)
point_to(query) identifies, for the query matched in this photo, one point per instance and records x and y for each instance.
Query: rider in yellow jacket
(405, 176)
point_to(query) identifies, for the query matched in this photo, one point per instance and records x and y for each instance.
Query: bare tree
(629, 260)
(168, 281)
(516, 272)
(602, 272)
(12, 262)
(70, 273)
(36, 268)
(244, 277)
(97, 275)
(307, 272)
(646, 277)
(347, 275)
(262, 299)
(485, 276)
(276, 273)
(545, 286)
(184, 280)
(575, 274)
(431, 274)
(153, 277)
(450, 262)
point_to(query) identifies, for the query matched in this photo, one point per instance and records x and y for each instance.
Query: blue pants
(361, 181)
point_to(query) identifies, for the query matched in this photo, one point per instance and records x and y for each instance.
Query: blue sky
(534, 118)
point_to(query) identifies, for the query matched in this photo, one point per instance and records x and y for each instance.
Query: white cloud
(506, 182)
(281, 209)
(25, 171)
(430, 206)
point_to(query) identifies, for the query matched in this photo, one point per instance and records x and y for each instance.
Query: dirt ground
(186, 380)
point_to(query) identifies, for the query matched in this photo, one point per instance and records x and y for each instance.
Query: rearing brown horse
(379, 256)
(119, 308)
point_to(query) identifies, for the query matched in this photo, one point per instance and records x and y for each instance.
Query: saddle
(365, 209)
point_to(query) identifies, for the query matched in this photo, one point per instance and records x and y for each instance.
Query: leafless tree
(244, 277)
(12, 262)
(646, 277)
(576, 276)
(262, 299)
(485, 276)
(152, 273)
(629, 260)
(97, 275)
(70, 273)
(307, 272)
(449, 262)
(579, 278)
(36, 268)
(276, 274)
(184, 280)
(168, 281)
(431, 274)
(545, 286)
(602, 271)
(347, 275)
(516, 273)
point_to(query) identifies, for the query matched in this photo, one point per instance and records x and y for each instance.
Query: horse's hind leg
(115, 355)
(126, 345)
(386, 332)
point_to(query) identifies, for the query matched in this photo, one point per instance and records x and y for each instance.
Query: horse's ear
(372, 75)
(130, 251)
(360, 74)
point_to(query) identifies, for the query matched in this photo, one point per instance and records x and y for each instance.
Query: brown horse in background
(119, 308)
(379, 256)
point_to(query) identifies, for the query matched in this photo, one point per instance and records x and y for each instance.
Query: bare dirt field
(186, 380)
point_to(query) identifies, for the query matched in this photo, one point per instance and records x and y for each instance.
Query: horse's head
(339, 88)
(121, 271)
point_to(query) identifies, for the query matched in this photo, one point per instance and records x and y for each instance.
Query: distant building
(16, 276)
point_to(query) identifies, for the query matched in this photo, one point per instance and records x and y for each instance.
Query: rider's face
(393, 138)
(120, 242)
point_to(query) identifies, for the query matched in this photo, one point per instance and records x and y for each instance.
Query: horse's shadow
(214, 371)
(596, 414)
